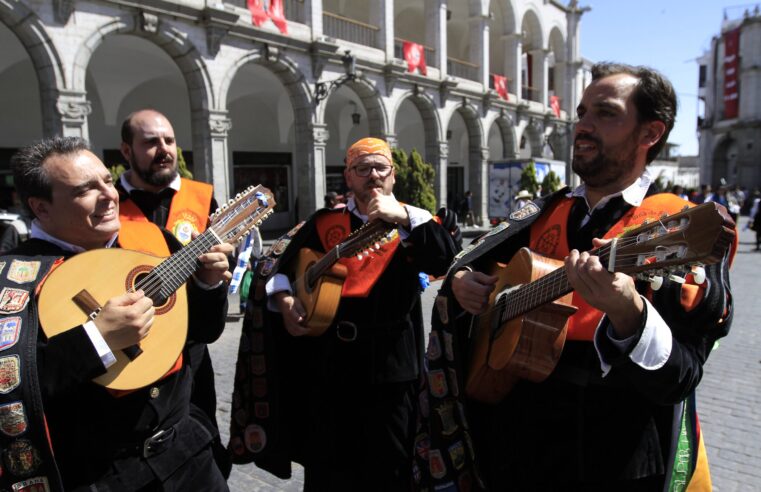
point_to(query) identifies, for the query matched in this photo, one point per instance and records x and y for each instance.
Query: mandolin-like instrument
(521, 335)
(320, 278)
(74, 292)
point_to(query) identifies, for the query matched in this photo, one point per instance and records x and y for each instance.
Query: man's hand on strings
(472, 290)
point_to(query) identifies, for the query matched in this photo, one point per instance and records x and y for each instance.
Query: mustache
(588, 138)
(375, 183)
(160, 158)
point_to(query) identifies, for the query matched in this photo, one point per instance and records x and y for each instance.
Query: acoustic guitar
(320, 278)
(521, 335)
(75, 291)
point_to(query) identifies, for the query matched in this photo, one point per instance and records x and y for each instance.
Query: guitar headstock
(365, 239)
(231, 222)
(697, 235)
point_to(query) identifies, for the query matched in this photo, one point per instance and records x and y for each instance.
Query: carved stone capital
(391, 140)
(220, 124)
(320, 51)
(484, 153)
(445, 88)
(320, 133)
(443, 150)
(217, 23)
(391, 73)
(148, 22)
(62, 10)
(73, 107)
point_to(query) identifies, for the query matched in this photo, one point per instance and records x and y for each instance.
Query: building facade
(729, 123)
(259, 104)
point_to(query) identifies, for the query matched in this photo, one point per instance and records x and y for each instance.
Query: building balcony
(462, 69)
(351, 30)
(430, 53)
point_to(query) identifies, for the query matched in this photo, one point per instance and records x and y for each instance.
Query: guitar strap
(333, 228)
(27, 456)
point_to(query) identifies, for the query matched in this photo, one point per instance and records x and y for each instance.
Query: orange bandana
(368, 146)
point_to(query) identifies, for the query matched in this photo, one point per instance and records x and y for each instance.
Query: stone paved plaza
(729, 398)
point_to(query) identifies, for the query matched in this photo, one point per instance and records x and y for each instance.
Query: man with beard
(152, 189)
(343, 403)
(617, 412)
(61, 430)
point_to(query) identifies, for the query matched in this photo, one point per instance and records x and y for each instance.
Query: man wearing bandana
(152, 189)
(343, 403)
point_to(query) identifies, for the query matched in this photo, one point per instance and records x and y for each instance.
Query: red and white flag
(555, 105)
(414, 55)
(731, 75)
(277, 14)
(500, 85)
(258, 15)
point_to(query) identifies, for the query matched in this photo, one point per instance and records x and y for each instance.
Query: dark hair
(29, 174)
(654, 97)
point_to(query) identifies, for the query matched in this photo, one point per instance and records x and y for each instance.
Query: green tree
(414, 180)
(116, 170)
(550, 183)
(528, 179)
(182, 166)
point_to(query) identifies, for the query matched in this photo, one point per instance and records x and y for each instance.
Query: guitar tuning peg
(656, 282)
(237, 197)
(377, 245)
(699, 274)
(230, 201)
(677, 279)
(359, 256)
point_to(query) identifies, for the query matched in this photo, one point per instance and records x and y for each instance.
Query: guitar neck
(323, 265)
(533, 295)
(171, 273)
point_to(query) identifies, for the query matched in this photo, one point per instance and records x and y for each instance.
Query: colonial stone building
(278, 103)
(729, 125)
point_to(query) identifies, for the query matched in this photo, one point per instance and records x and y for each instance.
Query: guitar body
(526, 347)
(321, 299)
(106, 273)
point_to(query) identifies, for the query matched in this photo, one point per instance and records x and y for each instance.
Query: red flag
(555, 105)
(731, 76)
(258, 15)
(500, 85)
(277, 14)
(414, 55)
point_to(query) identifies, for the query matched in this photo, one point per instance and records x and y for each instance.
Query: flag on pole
(414, 55)
(555, 105)
(500, 85)
(258, 15)
(277, 14)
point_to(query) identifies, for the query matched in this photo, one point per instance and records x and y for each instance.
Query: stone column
(221, 179)
(539, 69)
(513, 54)
(313, 17)
(440, 160)
(311, 175)
(390, 139)
(72, 109)
(382, 15)
(573, 74)
(436, 33)
(479, 184)
(479, 47)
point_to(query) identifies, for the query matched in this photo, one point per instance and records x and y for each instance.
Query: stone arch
(32, 35)
(188, 60)
(534, 135)
(431, 121)
(509, 24)
(533, 21)
(377, 116)
(506, 129)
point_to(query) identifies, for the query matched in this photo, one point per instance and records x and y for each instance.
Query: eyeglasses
(364, 170)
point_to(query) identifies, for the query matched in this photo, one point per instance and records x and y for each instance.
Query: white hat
(523, 194)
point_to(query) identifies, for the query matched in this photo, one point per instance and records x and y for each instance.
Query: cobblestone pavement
(729, 397)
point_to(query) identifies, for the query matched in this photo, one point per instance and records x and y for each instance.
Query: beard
(155, 177)
(609, 165)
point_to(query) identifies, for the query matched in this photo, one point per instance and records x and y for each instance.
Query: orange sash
(335, 227)
(549, 237)
(189, 210)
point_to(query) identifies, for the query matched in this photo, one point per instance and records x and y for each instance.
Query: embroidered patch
(548, 241)
(255, 438)
(13, 419)
(21, 458)
(13, 300)
(262, 409)
(422, 445)
(36, 484)
(9, 331)
(457, 454)
(295, 229)
(237, 447)
(495, 230)
(23, 272)
(437, 381)
(447, 418)
(525, 212)
(186, 224)
(334, 235)
(441, 308)
(448, 346)
(280, 246)
(10, 373)
(436, 464)
(266, 267)
(434, 347)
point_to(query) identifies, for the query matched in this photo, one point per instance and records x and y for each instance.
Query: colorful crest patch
(13, 419)
(280, 246)
(525, 212)
(438, 383)
(10, 373)
(9, 331)
(447, 418)
(185, 225)
(36, 484)
(436, 464)
(21, 458)
(23, 272)
(13, 300)
(255, 438)
(457, 454)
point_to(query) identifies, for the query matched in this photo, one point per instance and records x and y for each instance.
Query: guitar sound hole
(139, 278)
